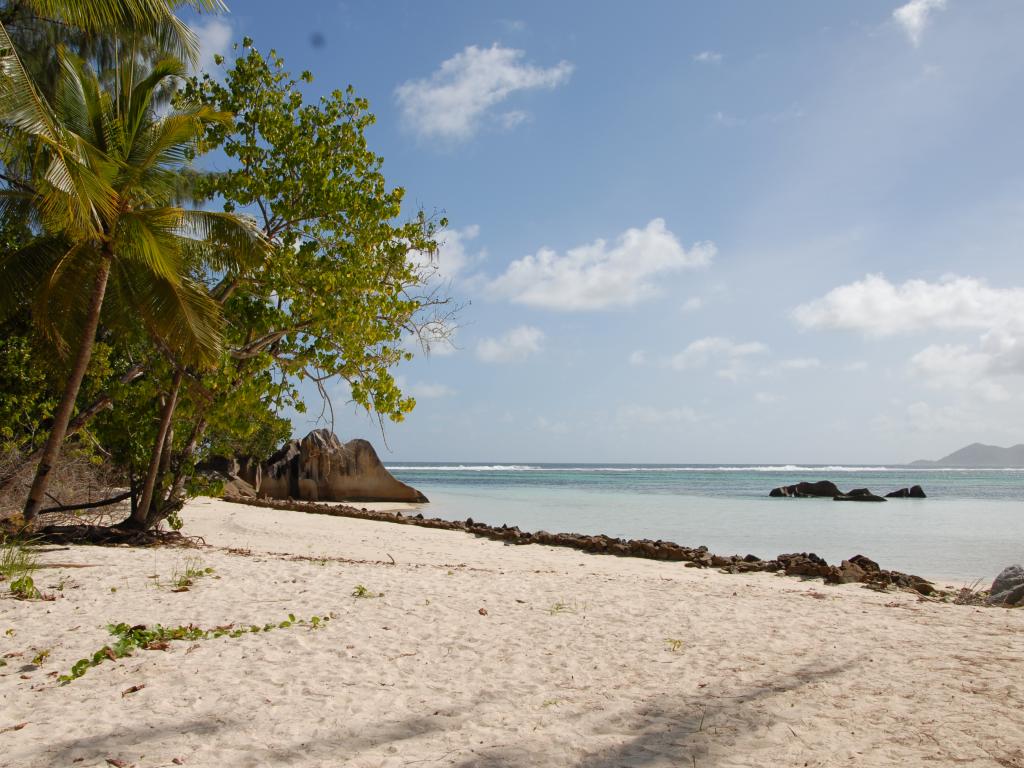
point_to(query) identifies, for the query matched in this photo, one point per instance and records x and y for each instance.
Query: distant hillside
(978, 455)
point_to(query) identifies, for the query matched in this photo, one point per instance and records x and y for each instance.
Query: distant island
(979, 455)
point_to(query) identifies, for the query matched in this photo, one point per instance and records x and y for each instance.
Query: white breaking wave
(533, 468)
(776, 468)
(468, 468)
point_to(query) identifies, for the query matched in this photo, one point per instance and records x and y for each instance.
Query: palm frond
(178, 312)
(21, 104)
(150, 238)
(24, 270)
(229, 241)
(130, 17)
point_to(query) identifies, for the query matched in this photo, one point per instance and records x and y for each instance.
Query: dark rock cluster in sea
(858, 569)
(828, 489)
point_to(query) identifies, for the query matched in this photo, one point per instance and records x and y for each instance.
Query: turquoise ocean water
(970, 527)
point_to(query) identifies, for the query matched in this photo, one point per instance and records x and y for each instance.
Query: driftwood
(89, 505)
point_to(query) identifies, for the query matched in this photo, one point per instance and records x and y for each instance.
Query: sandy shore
(478, 654)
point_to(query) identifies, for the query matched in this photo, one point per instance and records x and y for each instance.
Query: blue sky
(729, 232)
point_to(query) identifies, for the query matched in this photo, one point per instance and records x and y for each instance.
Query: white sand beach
(480, 654)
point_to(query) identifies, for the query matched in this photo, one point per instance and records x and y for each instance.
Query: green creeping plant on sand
(157, 639)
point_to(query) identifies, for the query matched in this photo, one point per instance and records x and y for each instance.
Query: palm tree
(93, 23)
(112, 19)
(107, 216)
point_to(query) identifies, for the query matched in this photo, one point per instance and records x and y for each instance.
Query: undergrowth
(17, 564)
(193, 570)
(130, 638)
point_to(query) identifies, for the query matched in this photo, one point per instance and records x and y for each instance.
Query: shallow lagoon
(970, 527)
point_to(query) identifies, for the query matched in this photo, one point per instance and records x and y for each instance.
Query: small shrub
(974, 594)
(361, 591)
(183, 578)
(24, 588)
(16, 559)
(674, 644)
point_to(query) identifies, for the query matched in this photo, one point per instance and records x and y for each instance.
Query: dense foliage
(149, 328)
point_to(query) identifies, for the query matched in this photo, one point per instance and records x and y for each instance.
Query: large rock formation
(319, 468)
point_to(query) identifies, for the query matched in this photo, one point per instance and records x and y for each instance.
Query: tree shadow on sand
(702, 730)
(128, 742)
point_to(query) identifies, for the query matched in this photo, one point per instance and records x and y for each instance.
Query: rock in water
(914, 492)
(858, 494)
(1008, 588)
(319, 468)
(804, 490)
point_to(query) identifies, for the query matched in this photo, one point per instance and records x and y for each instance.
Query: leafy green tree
(346, 282)
(343, 284)
(112, 219)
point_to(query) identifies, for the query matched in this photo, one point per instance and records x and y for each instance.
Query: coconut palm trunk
(140, 515)
(51, 451)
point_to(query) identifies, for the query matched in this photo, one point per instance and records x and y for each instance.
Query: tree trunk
(186, 453)
(141, 514)
(51, 451)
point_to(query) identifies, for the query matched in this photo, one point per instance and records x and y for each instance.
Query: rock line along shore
(858, 569)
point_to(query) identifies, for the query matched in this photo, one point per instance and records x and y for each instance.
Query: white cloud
(766, 398)
(510, 120)
(632, 414)
(856, 365)
(879, 308)
(692, 304)
(638, 357)
(426, 391)
(707, 57)
(453, 101)
(790, 364)
(956, 366)
(723, 352)
(515, 346)
(600, 275)
(214, 40)
(913, 17)
(799, 363)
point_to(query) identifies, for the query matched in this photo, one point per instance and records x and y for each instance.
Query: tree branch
(90, 505)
